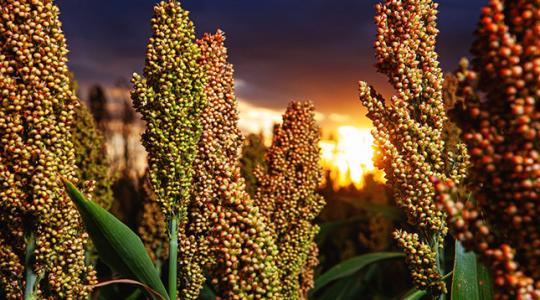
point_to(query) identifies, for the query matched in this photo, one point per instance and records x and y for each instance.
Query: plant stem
(173, 255)
(31, 277)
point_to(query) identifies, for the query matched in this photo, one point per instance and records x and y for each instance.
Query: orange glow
(349, 157)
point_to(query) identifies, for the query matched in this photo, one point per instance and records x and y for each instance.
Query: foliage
(116, 244)
(98, 106)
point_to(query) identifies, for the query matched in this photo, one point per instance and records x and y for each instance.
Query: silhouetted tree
(98, 105)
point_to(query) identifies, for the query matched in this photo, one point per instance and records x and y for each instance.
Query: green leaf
(118, 246)
(207, 293)
(351, 266)
(471, 280)
(340, 290)
(415, 294)
(485, 283)
(329, 227)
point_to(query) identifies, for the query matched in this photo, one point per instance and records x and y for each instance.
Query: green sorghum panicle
(36, 112)
(409, 128)
(499, 115)
(287, 194)
(226, 237)
(170, 98)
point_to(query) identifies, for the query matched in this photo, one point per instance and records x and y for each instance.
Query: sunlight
(349, 157)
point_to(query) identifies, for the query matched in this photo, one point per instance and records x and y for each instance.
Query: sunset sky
(282, 49)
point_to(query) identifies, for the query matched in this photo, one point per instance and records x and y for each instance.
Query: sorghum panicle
(252, 157)
(500, 121)
(287, 194)
(409, 129)
(226, 235)
(91, 158)
(170, 98)
(37, 110)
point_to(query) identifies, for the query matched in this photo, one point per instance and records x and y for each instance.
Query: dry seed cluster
(500, 119)
(37, 108)
(409, 129)
(287, 196)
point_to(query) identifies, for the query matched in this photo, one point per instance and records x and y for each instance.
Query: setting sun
(349, 156)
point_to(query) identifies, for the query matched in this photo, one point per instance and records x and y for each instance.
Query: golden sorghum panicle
(287, 195)
(170, 99)
(91, 158)
(409, 129)
(226, 237)
(37, 109)
(500, 121)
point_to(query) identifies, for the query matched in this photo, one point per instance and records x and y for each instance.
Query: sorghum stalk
(170, 99)
(286, 194)
(37, 110)
(409, 130)
(499, 115)
(227, 237)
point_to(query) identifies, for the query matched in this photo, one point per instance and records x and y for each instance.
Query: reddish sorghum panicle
(408, 132)
(287, 194)
(500, 121)
(37, 110)
(227, 236)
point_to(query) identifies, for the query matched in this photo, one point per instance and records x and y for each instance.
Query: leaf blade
(117, 245)
(465, 277)
(351, 266)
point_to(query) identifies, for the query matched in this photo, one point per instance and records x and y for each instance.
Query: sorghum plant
(252, 156)
(287, 196)
(153, 225)
(90, 158)
(171, 98)
(41, 238)
(409, 130)
(227, 236)
(500, 121)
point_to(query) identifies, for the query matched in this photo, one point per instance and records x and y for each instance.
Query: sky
(282, 50)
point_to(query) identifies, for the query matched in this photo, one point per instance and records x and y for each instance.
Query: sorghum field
(196, 181)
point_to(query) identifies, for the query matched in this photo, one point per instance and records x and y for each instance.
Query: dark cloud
(282, 49)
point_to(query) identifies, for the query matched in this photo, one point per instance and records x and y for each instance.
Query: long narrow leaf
(352, 266)
(485, 283)
(415, 294)
(465, 279)
(117, 245)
